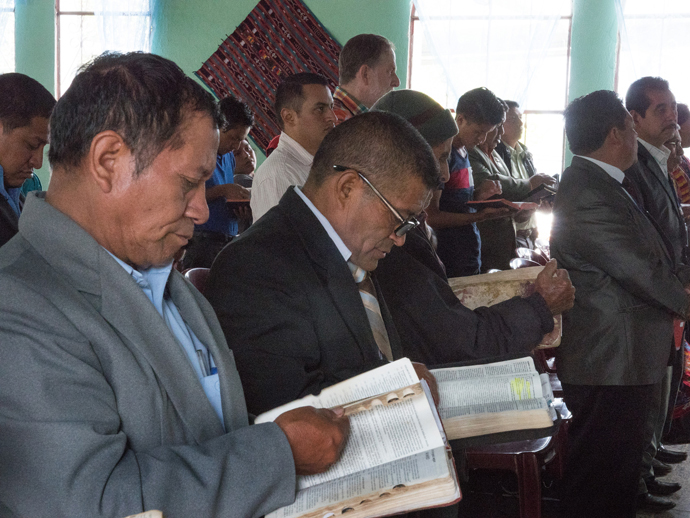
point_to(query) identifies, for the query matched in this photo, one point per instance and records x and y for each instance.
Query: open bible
(482, 403)
(491, 288)
(397, 458)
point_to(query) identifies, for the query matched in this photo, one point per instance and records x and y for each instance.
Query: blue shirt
(11, 194)
(221, 219)
(153, 281)
(459, 247)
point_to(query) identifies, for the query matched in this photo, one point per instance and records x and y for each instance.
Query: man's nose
(397, 240)
(36, 160)
(197, 208)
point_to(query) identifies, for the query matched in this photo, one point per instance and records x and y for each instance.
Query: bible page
(392, 376)
(416, 469)
(382, 434)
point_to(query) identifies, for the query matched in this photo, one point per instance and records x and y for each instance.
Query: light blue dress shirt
(153, 282)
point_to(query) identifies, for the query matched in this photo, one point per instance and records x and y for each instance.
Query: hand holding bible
(555, 286)
(316, 436)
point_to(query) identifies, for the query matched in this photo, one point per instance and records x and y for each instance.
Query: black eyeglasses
(405, 224)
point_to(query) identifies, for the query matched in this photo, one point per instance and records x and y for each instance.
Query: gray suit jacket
(621, 326)
(101, 413)
(660, 200)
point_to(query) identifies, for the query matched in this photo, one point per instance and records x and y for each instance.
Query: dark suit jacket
(290, 308)
(619, 330)
(435, 327)
(660, 200)
(9, 221)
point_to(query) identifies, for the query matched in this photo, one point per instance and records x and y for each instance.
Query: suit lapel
(111, 291)
(650, 164)
(199, 316)
(127, 309)
(333, 271)
(639, 212)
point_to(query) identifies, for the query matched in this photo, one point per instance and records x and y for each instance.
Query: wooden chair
(524, 458)
(198, 277)
(527, 459)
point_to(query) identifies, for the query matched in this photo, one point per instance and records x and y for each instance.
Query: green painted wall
(189, 32)
(593, 49)
(34, 25)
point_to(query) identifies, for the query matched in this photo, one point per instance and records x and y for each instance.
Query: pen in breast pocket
(202, 363)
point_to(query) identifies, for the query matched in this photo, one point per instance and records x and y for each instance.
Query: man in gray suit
(616, 338)
(653, 109)
(119, 393)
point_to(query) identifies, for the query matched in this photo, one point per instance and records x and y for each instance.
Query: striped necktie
(367, 292)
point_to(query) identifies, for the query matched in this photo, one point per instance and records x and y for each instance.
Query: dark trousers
(605, 445)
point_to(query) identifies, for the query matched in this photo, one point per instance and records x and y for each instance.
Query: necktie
(631, 188)
(367, 292)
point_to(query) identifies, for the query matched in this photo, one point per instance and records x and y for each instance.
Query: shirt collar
(287, 142)
(340, 245)
(11, 195)
(153, 280)
(660, 155)
(350, 101)
(611, 170)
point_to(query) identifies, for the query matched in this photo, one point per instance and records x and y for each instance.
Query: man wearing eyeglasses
(294, 294)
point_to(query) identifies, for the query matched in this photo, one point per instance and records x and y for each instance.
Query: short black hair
(290, 94)
(21, 99)
(683, 113)
(363, 49)
(637, 98)
(590, 118)
(511, 104)
(481, 106)
(142, 97)
(383, 146)
(235, 113)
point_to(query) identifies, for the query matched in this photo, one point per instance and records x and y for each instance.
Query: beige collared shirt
(289, 164)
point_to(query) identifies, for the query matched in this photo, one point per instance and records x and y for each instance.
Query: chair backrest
(198, 277)
(519, 262)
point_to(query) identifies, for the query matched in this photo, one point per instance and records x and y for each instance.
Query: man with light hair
(367, 72)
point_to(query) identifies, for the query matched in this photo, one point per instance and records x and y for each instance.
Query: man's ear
(636, 116)
(346, 185)
(459, 119)
(108, 158)
(364, 74)
(289, 117)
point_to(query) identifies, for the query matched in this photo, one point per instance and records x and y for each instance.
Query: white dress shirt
(660, 155)
(609, 169)
(289, 164)
(337, 241)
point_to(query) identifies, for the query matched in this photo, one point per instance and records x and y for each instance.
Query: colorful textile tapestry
(277, 39)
